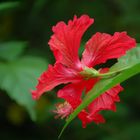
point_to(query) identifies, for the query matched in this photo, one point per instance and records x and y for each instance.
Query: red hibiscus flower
(69, 68)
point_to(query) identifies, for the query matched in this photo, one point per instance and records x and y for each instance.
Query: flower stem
(91, 72)
(111, 73)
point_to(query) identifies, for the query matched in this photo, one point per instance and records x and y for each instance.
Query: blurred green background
(25, 28)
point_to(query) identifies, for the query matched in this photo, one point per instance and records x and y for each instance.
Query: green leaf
(138, 44)
(131, 63)
(128, 60)
(11, 50)
(8, 5)
(18, 77)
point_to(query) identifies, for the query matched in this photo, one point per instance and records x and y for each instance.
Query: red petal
(72, 93)
(84, 117)
(54, 76)
(66, 40)
(102, 47)
(106, 101)
(103, 102)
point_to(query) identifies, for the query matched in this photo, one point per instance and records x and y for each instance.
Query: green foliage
(18, 76)
(132, 58)
(8, 5)
(131, 66)
(11, 50)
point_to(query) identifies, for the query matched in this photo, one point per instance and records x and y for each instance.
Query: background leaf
(131, 60)
(19, 77)
(11, 50)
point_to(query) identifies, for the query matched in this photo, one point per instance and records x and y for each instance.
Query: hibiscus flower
(70, 69)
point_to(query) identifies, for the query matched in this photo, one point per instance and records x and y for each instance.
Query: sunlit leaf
(18, 77)
(131, 61)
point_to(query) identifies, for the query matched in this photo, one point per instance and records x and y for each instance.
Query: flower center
(63, 110)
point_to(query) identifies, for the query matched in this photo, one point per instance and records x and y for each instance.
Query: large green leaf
(128, 66)
(12, 49)
(18, 77)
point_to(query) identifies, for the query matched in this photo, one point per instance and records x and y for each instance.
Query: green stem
(91, 72)
(111, 73)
